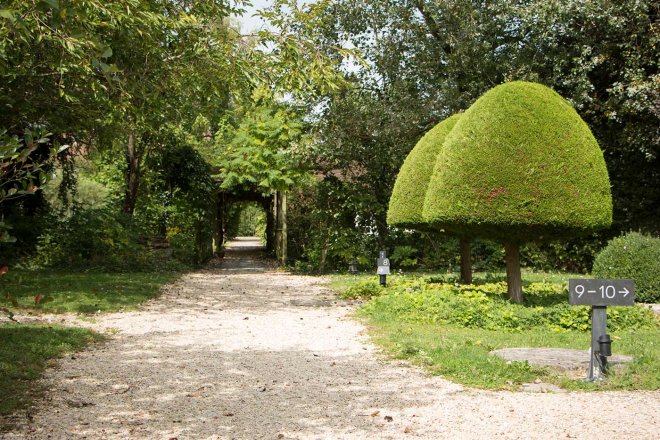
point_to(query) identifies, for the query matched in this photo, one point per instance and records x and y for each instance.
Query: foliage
(407, 200)
(264, 151)
(362, 290)
(573, 255)
(330, 226)
(429, 59)
(632, 256)
(22, 173)
(246, 220)
(404, 257)
(95, 237)
(24, 355)
(68, 290)
(485, 306)
(451, 329)
(553, 181)
(603, 55)
(178, 202)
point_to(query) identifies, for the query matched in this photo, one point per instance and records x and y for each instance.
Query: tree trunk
(513, 278)
(324, 255)
(132, 175)
(466, 261)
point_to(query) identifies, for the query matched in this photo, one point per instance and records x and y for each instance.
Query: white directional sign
(601, 292)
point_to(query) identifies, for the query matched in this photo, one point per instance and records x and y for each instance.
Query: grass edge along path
(401, 320)
(26, 351)
(62, 291)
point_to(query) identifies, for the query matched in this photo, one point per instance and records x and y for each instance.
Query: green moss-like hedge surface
(520, 165)
(407, 200)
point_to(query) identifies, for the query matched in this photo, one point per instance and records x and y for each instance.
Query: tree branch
(432, 26)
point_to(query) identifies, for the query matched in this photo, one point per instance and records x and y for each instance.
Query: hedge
(520, 165)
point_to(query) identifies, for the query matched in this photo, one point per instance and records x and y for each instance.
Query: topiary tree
(634, 256)
(520, 165)
(409, 192)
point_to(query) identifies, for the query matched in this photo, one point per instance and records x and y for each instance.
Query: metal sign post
(383, 267)
(599, 294)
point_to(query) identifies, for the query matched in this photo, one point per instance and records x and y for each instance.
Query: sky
(249, 23)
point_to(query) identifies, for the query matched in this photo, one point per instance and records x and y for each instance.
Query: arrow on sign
(625, 292)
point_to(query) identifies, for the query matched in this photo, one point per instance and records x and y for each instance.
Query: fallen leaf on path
(407, 430)
(388, 418)
(228, 414)
(375, 413)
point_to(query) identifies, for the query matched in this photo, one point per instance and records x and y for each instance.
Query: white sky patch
(249, 22)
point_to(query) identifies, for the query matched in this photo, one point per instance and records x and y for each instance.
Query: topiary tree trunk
(513, 278)
(466, 261)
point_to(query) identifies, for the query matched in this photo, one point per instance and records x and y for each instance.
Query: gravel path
(240, 352)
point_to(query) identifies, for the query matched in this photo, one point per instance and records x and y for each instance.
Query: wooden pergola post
(281, 240)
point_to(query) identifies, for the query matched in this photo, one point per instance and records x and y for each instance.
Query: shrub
(520, 163)
(407, 200)
(97, 239)
(404, 257)
(362, 290)
(633, 256)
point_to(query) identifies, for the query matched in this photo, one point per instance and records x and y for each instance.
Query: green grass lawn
(25, 351)
(81, 292)
(451, 329)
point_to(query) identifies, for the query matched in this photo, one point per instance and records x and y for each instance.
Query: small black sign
(601, 292)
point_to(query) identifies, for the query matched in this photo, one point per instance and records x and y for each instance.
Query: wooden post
(284, 245)
(278, 225)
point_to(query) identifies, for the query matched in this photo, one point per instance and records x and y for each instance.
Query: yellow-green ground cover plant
(451, 329)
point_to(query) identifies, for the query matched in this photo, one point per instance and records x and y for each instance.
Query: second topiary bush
(633, 256)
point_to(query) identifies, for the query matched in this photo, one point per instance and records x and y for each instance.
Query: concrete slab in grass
(560, 358)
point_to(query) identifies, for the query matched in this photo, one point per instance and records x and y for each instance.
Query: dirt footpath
(240, 352)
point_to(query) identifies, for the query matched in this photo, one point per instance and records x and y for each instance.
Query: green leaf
(8, 14)
(53, 4)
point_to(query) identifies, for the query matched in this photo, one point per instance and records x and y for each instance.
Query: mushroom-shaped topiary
(407, 200)
(409, 193)
(520, 165)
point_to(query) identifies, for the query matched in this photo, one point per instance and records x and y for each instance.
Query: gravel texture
(239, 351)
